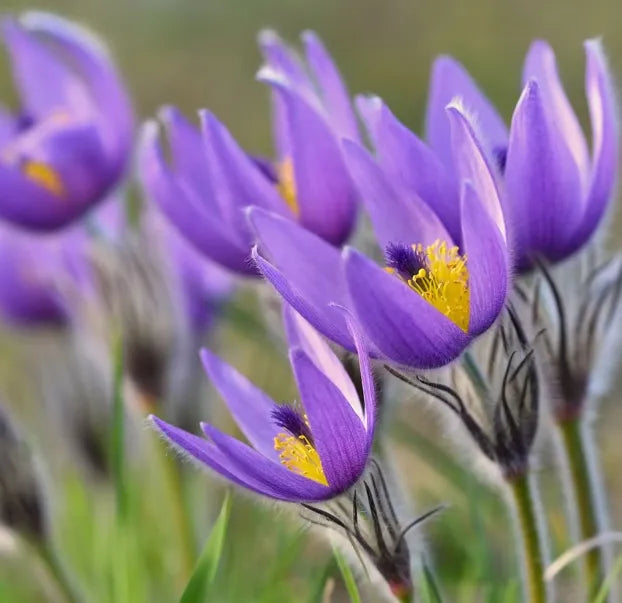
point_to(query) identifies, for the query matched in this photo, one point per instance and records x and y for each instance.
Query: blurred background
(196, 54)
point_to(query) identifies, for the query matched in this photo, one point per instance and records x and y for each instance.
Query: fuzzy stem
(583, 484)
(529, 534)
(57, 571)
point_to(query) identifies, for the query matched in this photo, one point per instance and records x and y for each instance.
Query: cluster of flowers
(473, 228)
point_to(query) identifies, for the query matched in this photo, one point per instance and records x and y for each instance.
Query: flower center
(43, 175)
(286, 184)
(438, 273)
(299, 456)
(295, 445)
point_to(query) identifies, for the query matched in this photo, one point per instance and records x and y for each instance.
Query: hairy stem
(523, 496)
(583, 483)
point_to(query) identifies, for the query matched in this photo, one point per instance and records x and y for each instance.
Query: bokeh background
(197, 54)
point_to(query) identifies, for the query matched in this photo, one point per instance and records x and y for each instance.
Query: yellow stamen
(287, 184)
(44, 175)
(300, 457)
(444, 282)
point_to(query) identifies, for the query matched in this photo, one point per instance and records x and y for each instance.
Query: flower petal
(209, 454)
(251, 408)
(334, 94)
(236, 179)
(46, 84)
(8, 126)
(450, 80)
(179, 203)
(541, 181)
(472, 165)
(300, 334)
(283, 63)
(603, 117)
(408, 161)
(487, 261)
(397, 216)
(251, 465)
(325, 195)
(338, 433)
(282, 59)
(401, 324)
(88, 56)
(305, 270)
(187, 151)
(73, 153)
(540, 65)
(30, 266)
(367, 376)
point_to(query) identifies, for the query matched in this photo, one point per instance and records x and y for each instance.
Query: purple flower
(201, 285)
(34, 270)
(298, 454)
(439, 288)
(555, 192)
(70, 140)
(210, 178)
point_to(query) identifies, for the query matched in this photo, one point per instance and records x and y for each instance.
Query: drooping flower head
(309, 453)
(439, 286)
(210, 178)
(69, 141)
(554, 191)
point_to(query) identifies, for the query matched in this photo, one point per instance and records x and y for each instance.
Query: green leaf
(204, 572)
(348, 577)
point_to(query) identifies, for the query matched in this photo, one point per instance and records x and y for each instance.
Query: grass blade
(118, 429)
(433, 590)
(204, 572)
(348, 577)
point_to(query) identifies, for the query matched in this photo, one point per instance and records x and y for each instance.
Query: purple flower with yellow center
(309, 453)
(69, 142)
(555, 192)
(438, 288)
(210, 178)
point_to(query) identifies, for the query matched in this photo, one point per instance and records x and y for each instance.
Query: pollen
(287, 184)
(442, 279)
(43, 175)
(299, 456)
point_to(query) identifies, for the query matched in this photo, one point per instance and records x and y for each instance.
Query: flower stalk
(528, 534)
(582, 483)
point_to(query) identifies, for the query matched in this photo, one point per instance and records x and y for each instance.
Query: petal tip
(268, 37)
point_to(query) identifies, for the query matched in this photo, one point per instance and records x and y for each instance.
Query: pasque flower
(439, 288)
(309, 453)
(35, 268)
(202, 286)
(554, 191)
(211, 178)
(68, 143)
